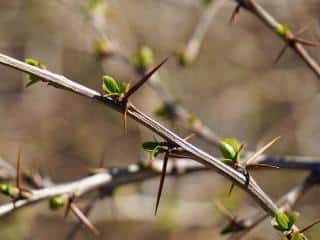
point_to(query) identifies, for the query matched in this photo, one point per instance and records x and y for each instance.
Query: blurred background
(233, 86)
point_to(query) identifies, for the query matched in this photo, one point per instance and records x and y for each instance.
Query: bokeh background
(233, 87)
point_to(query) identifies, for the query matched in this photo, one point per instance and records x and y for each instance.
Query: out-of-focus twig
(287, 36)
(191, 50)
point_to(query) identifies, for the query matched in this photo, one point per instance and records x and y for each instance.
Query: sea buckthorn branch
(202, 157)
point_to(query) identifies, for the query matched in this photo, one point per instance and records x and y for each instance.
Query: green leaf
(229, 162)
(229, 149)
(110, 86)
(56, 203)
(297, 236)
(9, 190)
(293, 216)
(31, 79)
(281, 222)
(149, 146)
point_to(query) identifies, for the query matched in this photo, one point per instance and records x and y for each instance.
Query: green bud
(282, 30)
(229, 149)
(56, 203)
(193, 120)
(183, 58)
(143, 58)
(101, 48)
(110, 86)
(281, 222)
(293, 216)
(8, 190)
(206, 2)
(31, 79)
(93, 6)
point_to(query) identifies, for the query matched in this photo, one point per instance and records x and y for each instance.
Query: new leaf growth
(31, 79)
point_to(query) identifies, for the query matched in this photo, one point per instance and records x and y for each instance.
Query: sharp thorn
(230, 190)
(125, 117)
(19, 173)
(163, 175)
(127, 88)
(135, 87)
(281, 53)
(234, 14)
(307, 42)
(83, 219)
(68, 207)
(261, 165)
(189, 136)
(304, 28)
(306, 228)
(261, 151)
(224, 211)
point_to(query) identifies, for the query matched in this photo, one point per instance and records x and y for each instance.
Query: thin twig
(266, 18)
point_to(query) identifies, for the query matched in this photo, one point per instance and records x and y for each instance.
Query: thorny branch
(303, 163)
(60, 81)
(107, 180)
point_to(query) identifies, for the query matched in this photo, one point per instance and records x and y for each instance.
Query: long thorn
(163, 175)
(225, 212)
(19, 174)
(304, 28)
(125, 116)
(83, 219)
(281, 53)
(102, 159)
(189, 136)
(261, 165)
(307, 42)
(261, 150)
(234, 14)
(68, 207)
(230, 190)
(306, 228)
(135, 87)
